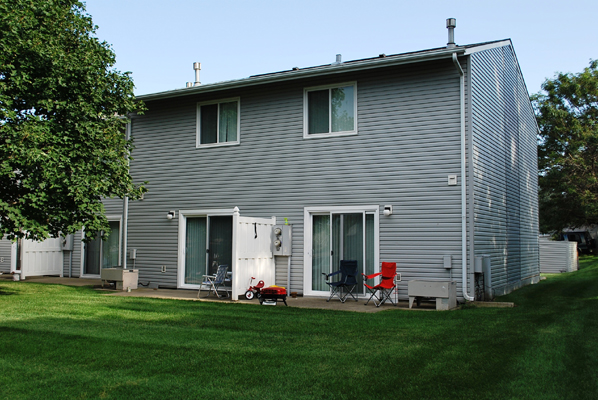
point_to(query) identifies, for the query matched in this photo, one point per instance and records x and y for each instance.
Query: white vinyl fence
(557, 256)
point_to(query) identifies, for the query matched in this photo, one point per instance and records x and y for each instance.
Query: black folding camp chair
(345, 286)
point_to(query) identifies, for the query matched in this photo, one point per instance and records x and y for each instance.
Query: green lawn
(69, 342)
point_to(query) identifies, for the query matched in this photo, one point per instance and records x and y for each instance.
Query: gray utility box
(445, 293)
(124, 278)
(282, 240)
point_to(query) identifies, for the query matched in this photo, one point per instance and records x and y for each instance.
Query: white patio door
(337, 236)
(208, 244)
(100, 254)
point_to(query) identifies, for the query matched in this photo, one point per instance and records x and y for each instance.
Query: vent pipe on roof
(451, 24)
(197, 68)
(338, 60)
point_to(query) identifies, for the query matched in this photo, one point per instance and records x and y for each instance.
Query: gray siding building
(415, 158)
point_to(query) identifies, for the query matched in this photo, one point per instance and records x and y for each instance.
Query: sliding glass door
(340, 236)
(100, 253)
(208, 243)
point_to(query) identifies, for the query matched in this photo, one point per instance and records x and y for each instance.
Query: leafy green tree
(567, 115)
(63, 110)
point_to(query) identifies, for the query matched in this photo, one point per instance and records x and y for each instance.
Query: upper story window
(218, 122)
(330, 110)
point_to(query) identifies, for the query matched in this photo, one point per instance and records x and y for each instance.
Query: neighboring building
(586, 242)
(445, 139)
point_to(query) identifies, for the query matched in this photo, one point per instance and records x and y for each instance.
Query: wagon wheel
(249, 295)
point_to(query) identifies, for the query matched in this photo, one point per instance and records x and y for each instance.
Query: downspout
(126, 208)
(463, 180)
(470, 178)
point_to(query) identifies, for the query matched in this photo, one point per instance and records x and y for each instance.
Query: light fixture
(171, 214)
(387, 210)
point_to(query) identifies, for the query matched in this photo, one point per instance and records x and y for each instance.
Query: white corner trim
(488, 46)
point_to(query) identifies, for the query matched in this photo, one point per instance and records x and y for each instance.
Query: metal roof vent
(451, 24)
(338, 60)
(197, 68)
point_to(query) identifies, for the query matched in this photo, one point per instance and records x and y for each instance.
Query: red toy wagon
(272, 294)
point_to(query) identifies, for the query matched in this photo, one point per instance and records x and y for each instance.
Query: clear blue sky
(158, 40)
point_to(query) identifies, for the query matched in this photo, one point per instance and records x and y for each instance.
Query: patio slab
(191, 295)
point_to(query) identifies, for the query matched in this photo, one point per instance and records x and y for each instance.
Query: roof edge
(331, 69)
(488, 46)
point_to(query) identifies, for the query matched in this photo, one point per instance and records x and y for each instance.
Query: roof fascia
(307, 73)
(475, 49)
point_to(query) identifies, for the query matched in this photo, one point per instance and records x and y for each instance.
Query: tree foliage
(567, 115)
(63, 110)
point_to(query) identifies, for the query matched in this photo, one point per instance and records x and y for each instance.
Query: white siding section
(42, 258)
(253, 253)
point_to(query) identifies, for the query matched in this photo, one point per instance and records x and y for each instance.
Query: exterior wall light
(171, 214)
(387, 210)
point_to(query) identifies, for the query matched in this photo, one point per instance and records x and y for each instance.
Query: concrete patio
(191, 295)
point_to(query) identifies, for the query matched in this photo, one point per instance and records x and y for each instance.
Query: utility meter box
(282, 240)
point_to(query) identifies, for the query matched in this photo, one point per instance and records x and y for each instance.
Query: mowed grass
(68, 342)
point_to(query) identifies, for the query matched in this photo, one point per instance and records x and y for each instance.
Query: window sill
(330, 134)
(203, 146)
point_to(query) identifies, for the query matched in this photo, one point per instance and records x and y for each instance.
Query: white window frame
(308, 212)
(306, 134)
(110, 218)
(198, 143)
(182, 240)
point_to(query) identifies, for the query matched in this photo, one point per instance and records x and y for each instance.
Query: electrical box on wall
(67, 243)
(281, 240)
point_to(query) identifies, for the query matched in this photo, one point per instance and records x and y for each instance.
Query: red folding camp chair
(382, 291)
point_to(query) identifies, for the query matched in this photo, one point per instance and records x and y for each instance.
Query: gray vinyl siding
(282, 268)
(5, 246)
(505, 169)
(71, 260)
(407, 144)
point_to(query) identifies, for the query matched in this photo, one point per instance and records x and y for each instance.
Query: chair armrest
(371, 276)
(332, 274)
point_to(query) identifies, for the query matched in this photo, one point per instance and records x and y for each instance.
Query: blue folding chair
(347, 281)
(216, 282)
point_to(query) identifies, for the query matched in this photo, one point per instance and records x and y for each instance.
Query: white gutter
(463, 181)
